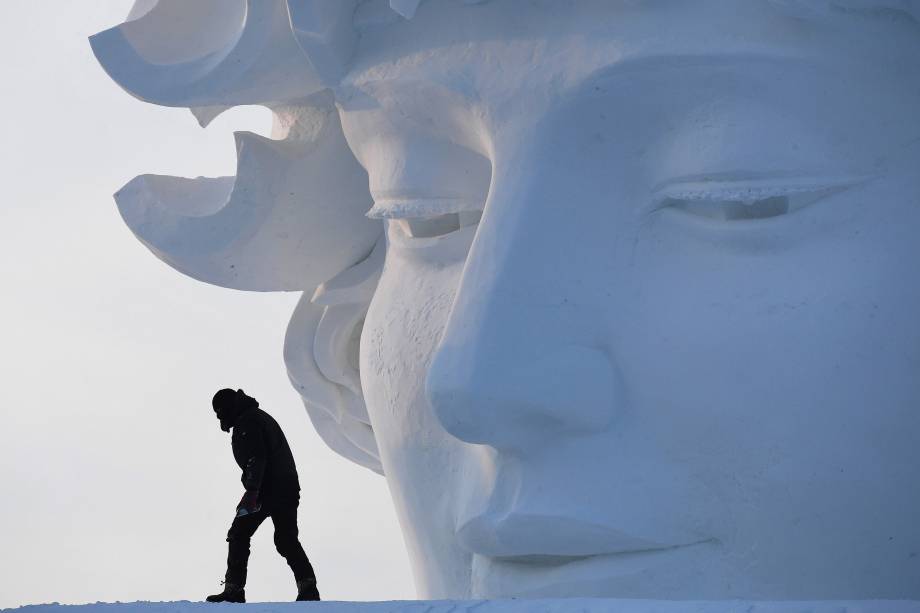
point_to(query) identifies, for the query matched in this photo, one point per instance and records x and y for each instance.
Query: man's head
(229, 404)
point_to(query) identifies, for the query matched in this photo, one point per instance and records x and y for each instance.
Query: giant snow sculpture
(620, 295)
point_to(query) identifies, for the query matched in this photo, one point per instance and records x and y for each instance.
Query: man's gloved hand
(249, 504)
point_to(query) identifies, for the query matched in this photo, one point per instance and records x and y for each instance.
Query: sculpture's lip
(541, 576)
(552, 539)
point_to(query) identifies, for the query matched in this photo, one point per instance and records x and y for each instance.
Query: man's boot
(306, 590)
(232, 593)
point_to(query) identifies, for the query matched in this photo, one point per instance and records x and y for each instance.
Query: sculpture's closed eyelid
(731, 198)
(433, 226)
(420, 207)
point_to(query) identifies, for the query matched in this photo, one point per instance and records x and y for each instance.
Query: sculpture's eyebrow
(650, 64)
(401, 87)
(426, 106)
(406, 91)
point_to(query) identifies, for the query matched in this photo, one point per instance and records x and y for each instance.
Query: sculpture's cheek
(421, 460)
(785, 377)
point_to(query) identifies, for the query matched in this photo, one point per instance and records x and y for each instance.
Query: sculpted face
(677, 357)
(644, 322)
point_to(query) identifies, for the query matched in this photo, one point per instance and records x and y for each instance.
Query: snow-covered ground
(580, 605)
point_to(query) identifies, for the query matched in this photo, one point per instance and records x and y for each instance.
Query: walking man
(272, 490)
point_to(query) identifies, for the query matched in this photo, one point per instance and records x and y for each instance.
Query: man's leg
(285, 519)
(238, 537)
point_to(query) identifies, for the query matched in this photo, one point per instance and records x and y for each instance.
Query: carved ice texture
(621, 296)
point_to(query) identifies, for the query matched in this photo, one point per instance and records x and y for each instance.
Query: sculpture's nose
(517, 401)
(523, 357)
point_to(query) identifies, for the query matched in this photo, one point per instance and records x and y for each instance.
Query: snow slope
(579, 605)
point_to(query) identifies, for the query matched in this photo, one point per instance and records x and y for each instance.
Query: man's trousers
(284, 517)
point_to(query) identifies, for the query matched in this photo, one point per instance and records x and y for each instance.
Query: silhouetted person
(272, 490)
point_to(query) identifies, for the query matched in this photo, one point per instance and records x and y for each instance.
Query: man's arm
(255, 454)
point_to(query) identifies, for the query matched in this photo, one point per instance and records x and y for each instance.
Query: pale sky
(117, 483)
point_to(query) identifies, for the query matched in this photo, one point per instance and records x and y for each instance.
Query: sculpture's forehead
(503, 52)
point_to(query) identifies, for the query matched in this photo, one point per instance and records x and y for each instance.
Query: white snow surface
(561, 605)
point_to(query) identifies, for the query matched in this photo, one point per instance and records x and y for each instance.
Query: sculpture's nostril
(514, 402)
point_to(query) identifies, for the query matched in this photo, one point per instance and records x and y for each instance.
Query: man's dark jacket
(261, 450)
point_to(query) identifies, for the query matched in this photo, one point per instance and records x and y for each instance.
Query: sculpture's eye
(747, 200)
(437, 225)
(426, 188)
